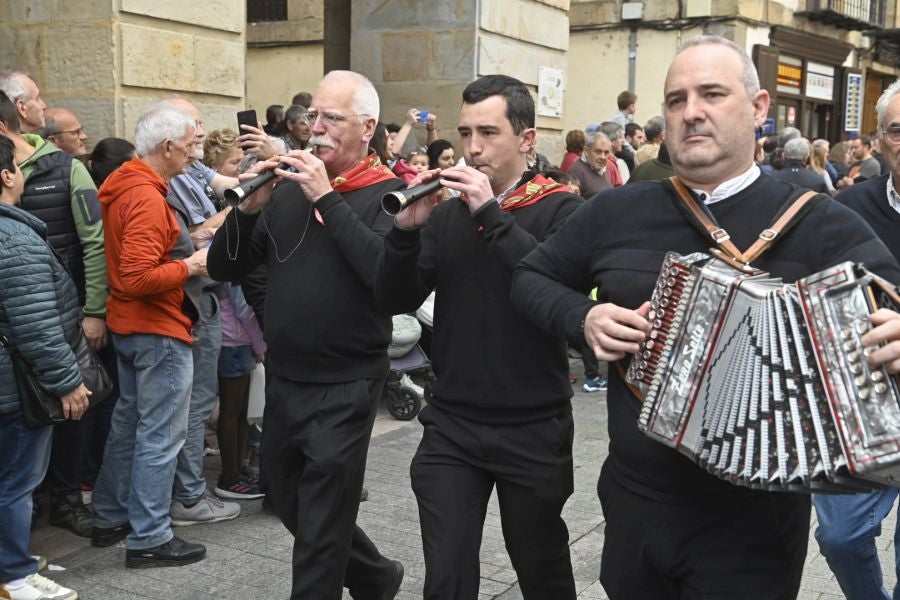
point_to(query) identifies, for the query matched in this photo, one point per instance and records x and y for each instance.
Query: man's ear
(528, 139)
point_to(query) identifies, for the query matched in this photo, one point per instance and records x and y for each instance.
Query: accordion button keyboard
(846, 333)
(861, 381)
(856, 368)
(877, 376)
(881, 388)
(850, 345)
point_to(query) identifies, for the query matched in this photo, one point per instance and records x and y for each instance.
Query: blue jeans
(848, 526)
(190, 484)
(148, 429)
(24, 456)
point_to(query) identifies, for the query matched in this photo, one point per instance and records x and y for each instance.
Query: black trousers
(456, 466)
(740, 546)
(314, 447)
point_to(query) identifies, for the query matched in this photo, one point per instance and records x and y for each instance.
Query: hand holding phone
(246, 117)
(423, 115)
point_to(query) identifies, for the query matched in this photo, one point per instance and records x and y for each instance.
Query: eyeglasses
(77, 132)
(330, 119)
(891, 135)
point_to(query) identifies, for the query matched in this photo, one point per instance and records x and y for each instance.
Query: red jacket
(139, 231)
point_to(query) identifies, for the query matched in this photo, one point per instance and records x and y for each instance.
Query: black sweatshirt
(492, 365)
(870, 200)
(617, 241)
(322, 323)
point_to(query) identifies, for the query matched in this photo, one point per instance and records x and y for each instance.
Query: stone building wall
(108, 59)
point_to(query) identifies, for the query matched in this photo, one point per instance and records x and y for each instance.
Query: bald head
(63, 128)
(199, 133)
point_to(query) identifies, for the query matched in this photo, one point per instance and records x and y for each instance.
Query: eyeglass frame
(891, 131)
(330, 119)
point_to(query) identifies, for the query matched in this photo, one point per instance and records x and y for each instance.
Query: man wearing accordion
(674, 530)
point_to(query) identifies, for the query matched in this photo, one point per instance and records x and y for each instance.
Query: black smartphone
(246, 117)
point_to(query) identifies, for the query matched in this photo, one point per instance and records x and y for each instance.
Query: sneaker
(69, 512)
(408, 382)
(242, 488)
(174, 553)
(37, 587)
(41, 561)
(594, 384)
(208, 510)
(103, 537)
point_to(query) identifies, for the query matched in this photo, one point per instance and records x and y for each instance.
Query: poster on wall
(853, 105)
(551, 83)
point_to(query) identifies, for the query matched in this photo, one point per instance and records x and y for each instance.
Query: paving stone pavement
(250, 556)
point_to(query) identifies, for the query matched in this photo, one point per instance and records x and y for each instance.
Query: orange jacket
(139, 231)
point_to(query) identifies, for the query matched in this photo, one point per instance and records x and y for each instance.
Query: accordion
(766, 384)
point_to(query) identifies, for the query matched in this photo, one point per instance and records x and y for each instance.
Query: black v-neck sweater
(617, 241)
(870, 200)
(492, 364)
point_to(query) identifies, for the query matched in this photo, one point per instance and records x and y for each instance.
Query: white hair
(158, 123)
(796, 149)
(749, 76)
(12, 84)
(591, 138)
(884, 100)
(365, 100)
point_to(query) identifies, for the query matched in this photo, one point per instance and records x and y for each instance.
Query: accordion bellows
(766, 384)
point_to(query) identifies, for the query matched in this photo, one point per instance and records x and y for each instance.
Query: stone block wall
(107, 60)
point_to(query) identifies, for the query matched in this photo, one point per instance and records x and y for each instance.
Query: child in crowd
(407, 168)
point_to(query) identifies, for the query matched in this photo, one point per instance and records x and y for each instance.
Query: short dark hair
(866, 141)
(107, 156)
(273, 112)
(519, 103)
(294, 112)
(559, 176)
(434, 151)
(631, 129)
(8, 113)
(378, 142)
(303, 99)
(392, 127)
(626, 99)
(7, 154)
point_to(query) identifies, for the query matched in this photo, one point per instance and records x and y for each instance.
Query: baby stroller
(402, 395)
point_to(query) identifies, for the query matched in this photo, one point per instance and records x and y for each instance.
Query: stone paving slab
(250, 556)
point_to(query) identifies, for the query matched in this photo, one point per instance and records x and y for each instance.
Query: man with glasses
(848, 525)
(60, 192)
(63, 128)
(320, 237)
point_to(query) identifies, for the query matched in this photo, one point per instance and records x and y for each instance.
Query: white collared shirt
(892, 195)
(729, 188)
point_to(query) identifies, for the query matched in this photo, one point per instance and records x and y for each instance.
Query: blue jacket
(39, 308)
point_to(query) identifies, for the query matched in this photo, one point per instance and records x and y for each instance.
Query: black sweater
(322, 323)
(492, 365)
(618, 240)
(870, 200)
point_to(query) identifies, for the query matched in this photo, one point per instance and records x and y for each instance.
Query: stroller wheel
(403, 403)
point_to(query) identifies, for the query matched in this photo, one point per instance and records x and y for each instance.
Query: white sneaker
(208, 510)
(37, 587)
(408, 382)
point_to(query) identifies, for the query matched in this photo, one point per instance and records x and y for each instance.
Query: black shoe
(174, 553)
(391, 591)
(364, 495)
(70, 513)
(102, 537)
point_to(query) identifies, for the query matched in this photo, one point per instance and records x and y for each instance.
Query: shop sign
(819, 81)
(853, 104)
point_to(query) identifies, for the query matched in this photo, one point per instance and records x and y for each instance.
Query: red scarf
(531, 192)
(367, 172)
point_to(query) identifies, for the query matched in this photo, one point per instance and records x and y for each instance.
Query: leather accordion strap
(767, 236)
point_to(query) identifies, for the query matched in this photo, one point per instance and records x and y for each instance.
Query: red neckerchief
(531, 192)
(367, 172)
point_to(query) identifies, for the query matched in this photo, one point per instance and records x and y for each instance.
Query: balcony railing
(847, 14)
(266, 10)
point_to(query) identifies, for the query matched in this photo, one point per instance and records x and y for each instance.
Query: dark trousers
(737, 546)
(455, 468)
(314, 447)
(98, 419)
(590, 362)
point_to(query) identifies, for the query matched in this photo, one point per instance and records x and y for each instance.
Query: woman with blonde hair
(221, 152)
(817, 158)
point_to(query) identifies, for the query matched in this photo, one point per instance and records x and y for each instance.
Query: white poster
(551, 83)
(819, 81)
